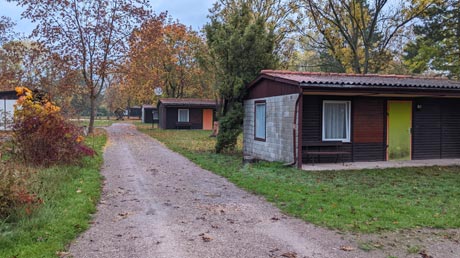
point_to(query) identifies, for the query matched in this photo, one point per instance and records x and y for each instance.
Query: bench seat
(330, 148)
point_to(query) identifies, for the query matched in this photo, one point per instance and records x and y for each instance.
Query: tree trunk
(93, 112)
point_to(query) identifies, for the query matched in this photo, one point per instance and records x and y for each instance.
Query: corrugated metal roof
(188, 101)
(340, 80)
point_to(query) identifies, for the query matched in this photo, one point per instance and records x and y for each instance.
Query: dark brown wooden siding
(312, 126)
(196, 118)
(171, 114)
(8, 94)
(148, 115)
(162, 116)
(171, 118)
(267, 88)
(426, 129)
(368, 141)
(436, 129)
(450, 132)
(311, 120)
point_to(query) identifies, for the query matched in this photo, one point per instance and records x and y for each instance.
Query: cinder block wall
(279, 124)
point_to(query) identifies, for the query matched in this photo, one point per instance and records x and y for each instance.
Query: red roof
(187, 102)
(342, 80)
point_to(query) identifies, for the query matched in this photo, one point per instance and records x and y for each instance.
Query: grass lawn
(357, 201)
(99, 122)
(69, 195)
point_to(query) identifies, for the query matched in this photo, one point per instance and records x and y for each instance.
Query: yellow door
(399, 130)
(207, 119)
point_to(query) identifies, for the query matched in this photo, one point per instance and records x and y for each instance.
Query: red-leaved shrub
(41, 134)
(14, 182)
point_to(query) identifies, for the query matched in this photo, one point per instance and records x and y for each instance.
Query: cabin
(135, 112)
(7, 101)
(303, 117)
(149, 114)
(186, 113)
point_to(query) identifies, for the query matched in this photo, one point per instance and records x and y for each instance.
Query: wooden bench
(183, 125)
(327, 148)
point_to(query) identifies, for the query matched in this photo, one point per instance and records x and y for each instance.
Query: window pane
(183, 115)
(336, 120)
(260, 121)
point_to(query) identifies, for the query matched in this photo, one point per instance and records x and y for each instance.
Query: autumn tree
(91, 35)
(436, 47)
(164, 53)
(357, 35)
(7, 71)
(241, 44)
(6, 29)
(117, 94)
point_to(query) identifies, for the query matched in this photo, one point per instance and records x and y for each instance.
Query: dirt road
(156, 203)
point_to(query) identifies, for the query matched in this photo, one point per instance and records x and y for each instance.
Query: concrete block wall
(278, 145)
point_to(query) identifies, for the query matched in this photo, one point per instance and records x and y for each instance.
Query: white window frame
(347, 122)
(259, 137)
(178, 115)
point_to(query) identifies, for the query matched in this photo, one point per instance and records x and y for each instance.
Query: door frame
(388, 127)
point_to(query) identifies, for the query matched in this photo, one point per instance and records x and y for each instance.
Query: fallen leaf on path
(62, 254)
(347, 248)
(289, 255)
(124, 215)
(424, 254)
(206, 238)
(274, 250)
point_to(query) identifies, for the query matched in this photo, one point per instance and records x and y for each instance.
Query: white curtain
(183, 115)
(260, 121)
(335, 120)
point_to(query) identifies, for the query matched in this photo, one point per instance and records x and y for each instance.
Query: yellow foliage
(79, 139)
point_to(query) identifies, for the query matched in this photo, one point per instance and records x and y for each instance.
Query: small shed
(135, 112)
(7, 101)
(369, 117)
(149, 114)
(187, 113)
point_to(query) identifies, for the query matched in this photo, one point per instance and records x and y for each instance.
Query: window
(260, 125)
(336, 120)
(155, 115)
(183, 116)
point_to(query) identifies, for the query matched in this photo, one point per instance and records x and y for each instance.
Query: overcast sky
(189, 12)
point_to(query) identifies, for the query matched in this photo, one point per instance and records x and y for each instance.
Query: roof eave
(271, 78)
(428, 92)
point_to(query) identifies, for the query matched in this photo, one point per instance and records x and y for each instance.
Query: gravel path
(156, 203)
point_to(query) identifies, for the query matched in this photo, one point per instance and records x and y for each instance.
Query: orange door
(207, 119)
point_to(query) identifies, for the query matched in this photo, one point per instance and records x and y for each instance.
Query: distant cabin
(135, 112)
(7, 101)
(187, 113)
(149, 114)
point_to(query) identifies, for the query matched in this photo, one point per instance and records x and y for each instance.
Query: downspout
(294, 128)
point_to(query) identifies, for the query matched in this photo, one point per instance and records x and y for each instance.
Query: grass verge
(357, 201)
(99, 122)
(69, 195)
